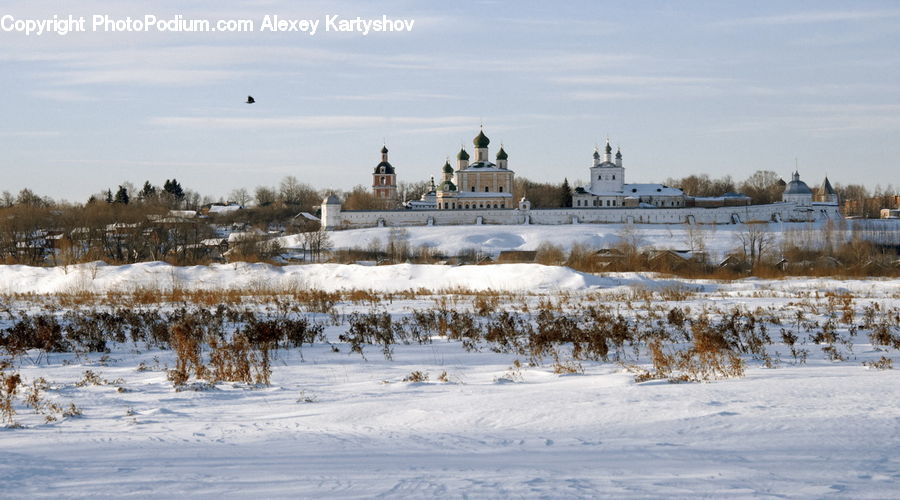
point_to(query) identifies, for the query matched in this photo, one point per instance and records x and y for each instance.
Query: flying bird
(250, 99)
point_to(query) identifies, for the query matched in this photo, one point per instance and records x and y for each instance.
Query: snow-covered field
(337, 425)
(491, 239)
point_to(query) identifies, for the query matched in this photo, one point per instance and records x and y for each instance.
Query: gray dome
(332, 200)
(797, 187)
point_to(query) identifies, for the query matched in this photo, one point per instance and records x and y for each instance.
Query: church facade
(479, 185)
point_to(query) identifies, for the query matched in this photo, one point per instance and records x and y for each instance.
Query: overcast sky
(684, 87)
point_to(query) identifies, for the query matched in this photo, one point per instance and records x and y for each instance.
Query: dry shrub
(416, 376)
(882, 363)
(549, 254)
(9, 387)
(709, 357)
(485, 304)
(185, 340)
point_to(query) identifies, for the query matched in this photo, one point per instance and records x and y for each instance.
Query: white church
(608, 187)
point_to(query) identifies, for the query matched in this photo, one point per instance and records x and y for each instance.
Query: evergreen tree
(173, 188)
(122, 195)
(566, 194)
(148, 192)
(109, 198)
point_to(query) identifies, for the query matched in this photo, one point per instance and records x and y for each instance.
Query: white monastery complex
(481, 192)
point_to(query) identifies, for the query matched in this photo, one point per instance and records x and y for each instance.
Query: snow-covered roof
(484, 166)
(307, 215)
(221, 209)
(182, 213)
(642, 190)
(481, 194)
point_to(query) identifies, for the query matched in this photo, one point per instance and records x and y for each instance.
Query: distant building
(827, 193)
(608, 187)
(797, 192)
(890, 213)
(427, 201)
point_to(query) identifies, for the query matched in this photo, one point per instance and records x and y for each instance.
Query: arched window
(383, 181)
(503, 205)
(485, 189)
(501, 189)
(614, 176)
(467, 206)
(599, 177)
(473, 189)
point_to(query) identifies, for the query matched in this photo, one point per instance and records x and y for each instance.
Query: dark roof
(481, 140)
(501, 155)
(608, 148)
(388, 168)
(797, 186)
(447, 168)
(462, 154)
(618, 153)
(384, 149)
(596, 154)
(827, 187)
(447, 186)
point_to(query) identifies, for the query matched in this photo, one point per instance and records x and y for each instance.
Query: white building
(608, 187)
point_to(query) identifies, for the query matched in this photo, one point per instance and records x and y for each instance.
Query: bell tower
(384, 181)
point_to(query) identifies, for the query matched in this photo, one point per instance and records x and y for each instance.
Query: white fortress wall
(335, 218)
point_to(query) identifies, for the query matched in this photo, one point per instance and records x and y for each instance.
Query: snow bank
(98, 277)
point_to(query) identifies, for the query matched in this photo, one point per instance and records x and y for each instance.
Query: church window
(614, 176)
(383, 181)
(485, 189)
(467, 206)
(599, 177)
(473, 189)
(503, 205)
(501, 189)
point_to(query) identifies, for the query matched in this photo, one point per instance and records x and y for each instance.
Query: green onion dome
(481, 140)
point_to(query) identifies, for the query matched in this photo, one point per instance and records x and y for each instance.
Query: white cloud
(812, 17)
(326, 122)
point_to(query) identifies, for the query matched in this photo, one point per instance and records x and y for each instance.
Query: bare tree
(240, 196)
(695, 238)
(756, 242)
(316, 243)
(293, 192)
(762, 187)
(265, 196)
